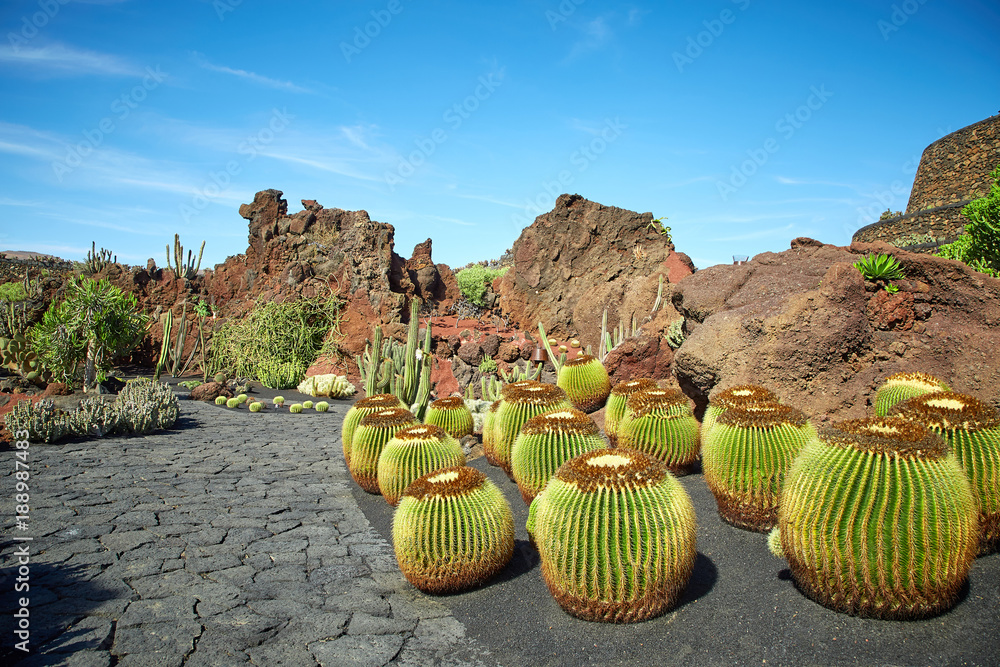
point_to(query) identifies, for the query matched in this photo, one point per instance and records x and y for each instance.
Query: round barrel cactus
(256, 406)
(233, 403)
(545, 442)
(616, 535)
(660, 423)
(369, 438)
(734, 397)
(971, 429)
(451, 414)
(295, 408)
(876, 519)
(745, 458)
(517, 405)
(414, 451)
(585, 381)
(614, 409)
(899, 387)
(453, 530)
(220, 400)
(364, 406)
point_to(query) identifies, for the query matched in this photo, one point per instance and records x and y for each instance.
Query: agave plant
(880, 267)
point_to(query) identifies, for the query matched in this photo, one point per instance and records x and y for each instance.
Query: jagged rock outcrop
(582, 257)
(805, 324)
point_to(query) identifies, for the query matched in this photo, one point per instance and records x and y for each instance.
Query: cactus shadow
(703, 578)
(524, 560)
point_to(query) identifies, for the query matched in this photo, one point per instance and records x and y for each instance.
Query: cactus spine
(734, 397)
(876, 519)
(520, 403)
(365, 406)
(414, 451)
(451, 414)
(586, 382)
(547, 441)
(616, 535)
(371, 435)
(661, 423)
(900, 386)
(615, 407)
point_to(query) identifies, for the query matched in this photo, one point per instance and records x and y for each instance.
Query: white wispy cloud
(784, 180)
(594, 35)
(253, 77)
(62, 59)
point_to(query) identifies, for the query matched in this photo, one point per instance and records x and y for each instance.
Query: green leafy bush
(472, 282)
(979, 246)
(12, 292)
(487, 365)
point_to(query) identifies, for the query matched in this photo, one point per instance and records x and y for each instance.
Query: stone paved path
(232, 539)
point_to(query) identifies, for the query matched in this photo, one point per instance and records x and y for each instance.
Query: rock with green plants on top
(616, 535)
(452, 414)
(585, 381)
(453, 530)
(545, 442)
(360, 409)
(877, 519)
(369, 438)
(661, 423)
(737, 396)
(971, 429)
(614, 409)
(745, 458)
(899, 387)
(414, 451)
(322, 406)
(519, 403)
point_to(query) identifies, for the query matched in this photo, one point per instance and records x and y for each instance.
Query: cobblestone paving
(232, 539)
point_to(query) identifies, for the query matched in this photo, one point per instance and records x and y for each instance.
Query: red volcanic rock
(639, 357)
(443, 379)
(509, 352)
(891, 311)
(57, 389)
(210, 391)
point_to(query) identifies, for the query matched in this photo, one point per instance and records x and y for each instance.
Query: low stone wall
(12, 269)
(956, 167)
(944, 224)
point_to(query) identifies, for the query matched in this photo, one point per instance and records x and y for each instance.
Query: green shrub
(979, 246)
(12, 292)
(487, 366)
(472, 282)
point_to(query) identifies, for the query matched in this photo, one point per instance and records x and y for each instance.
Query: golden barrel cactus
(372, 433)
(517, 405)
(899, 387)
(660, 422)
(364, 406)
(414, 451)
(615, 407)
(585, 381)
(451, 414)
(734, 397)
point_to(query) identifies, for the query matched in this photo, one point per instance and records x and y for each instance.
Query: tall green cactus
(161, 363)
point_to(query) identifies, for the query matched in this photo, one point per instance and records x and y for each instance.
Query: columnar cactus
(453, 530)
(518, 405)
(734, 397)
(363, 407)
(547, 441)
(971, 429)
(451, 414)
(660, 423)
(616, 535)
(877, 519)
(585, 381)
(900, 386)
(745, 458)
(371, 435)
(615, 408)
(414, 451)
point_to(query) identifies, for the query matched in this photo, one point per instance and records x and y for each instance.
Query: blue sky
(746, 123)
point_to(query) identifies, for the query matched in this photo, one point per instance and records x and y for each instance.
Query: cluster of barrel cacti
(17, 356)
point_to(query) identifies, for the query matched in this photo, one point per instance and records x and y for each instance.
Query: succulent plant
(585, 381)
(329, 384)
(256, 406)
(42, 421)
(614, 409)
(900, 386)
(745, 458)
(221, 378)
(278, 400)
(877, 519)
(971, 429)
(453, 530)
(242, 398)
(295, 408)
(517, 405)
(414, 451)
(232, 403)
(322, 406)
(734, 397)
(307, 405)
(362, 407)
(369, 438)
(452, 415)
(616, 535)
(220, 400)
(545, 442)
(660, 423)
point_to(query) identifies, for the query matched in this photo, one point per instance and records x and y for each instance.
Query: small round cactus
(221, 378)
(518, 405)
(295, 408)
(734, 397)
(451, 414)
(877, 519)
(369, 438)
(414, 451)
(900, 386)
(307, 405)
(233, 403)
(220, 400)
(242, 398)
(745, 459)
(256, 406)
(453, 530)
(616, 535)
(661, 423)
(279, 401)
(614, 409)
(585, 381)
(322, 406)
(971, 429)
(547, 441)
(362, 407)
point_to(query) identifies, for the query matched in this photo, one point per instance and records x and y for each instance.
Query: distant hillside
(27, 254)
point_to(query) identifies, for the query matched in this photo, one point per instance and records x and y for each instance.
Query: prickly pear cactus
(363, 407)
(452, 415)
(745, 459)
(453, 530)
(547, 441)
(616, 535)
(877, 519)
(900, 386)
(373, 432)
(660, 422)
(414, 451)
(585, 381)
(734, 397)
(614, 410)
(518, 404)
(971, 428)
